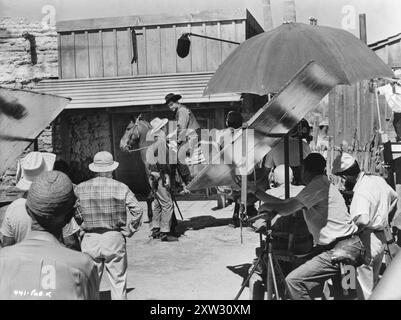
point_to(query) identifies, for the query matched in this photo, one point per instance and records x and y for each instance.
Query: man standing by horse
(160, 180)
(188, 129)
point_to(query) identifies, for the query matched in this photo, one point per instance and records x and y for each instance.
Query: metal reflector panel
(299, 96)
(16, 133)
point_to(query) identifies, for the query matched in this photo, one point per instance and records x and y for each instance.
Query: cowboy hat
(157, 124)
(172, 97)
(32, 165)
(103, 162)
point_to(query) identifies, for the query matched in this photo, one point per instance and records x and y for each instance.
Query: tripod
(266, 261)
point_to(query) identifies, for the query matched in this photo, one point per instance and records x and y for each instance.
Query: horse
(135, 135)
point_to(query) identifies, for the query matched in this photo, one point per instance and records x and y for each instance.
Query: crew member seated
(328, 221)
(284, 226)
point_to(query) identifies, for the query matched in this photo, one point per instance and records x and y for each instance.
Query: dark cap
(315, 162)
(172, 97)
(51, 194)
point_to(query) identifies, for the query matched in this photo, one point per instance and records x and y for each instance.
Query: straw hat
(157, 124)
(324, 123)
(279, 174)
(342, 162)
(51, 194)
(32, 165)
(103, 162)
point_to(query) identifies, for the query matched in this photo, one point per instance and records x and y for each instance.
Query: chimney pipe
(362, 28)
(289, 11)
(267, 15)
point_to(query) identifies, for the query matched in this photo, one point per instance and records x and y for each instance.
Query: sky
(383, 16)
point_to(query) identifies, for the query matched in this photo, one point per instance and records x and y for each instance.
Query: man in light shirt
(369, 209)
(328, 221)
(16, 224)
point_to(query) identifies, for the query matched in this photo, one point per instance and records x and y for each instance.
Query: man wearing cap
(369, 209)
(17, 223)
(161, 174)
(40, 267)
(328, 221)
(104, 203)
(188, 129)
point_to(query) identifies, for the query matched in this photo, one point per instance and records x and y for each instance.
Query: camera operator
(328, 221)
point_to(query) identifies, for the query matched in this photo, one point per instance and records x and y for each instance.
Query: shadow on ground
(106, 295)
(201, 222)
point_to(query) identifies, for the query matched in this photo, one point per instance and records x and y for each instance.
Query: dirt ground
(208, 261)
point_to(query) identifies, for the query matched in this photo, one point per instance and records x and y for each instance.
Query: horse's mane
(147, 123)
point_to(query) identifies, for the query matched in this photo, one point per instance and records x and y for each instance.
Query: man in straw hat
(369, 209)
(161, 174)
(40, 267)
(17, 223)
(104, 203)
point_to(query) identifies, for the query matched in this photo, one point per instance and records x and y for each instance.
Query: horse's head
(131, 135)
(135, 130)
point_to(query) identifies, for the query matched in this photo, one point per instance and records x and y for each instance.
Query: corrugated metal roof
(132, 91)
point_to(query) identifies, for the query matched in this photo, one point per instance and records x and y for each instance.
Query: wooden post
(286, 166)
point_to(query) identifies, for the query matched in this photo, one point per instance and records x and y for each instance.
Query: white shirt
(326, 214)
(17, 222)
(393, 98)
(279, 192)
(373, 197)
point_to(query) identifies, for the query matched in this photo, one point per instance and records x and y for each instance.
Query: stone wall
(17, 71)
(80, 136)
(16, 68)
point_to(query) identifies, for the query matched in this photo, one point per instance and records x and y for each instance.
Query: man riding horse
(188, 130)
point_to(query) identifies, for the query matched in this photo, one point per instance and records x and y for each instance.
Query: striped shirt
(103, 204)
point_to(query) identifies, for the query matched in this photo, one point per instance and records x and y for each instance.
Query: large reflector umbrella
(264, 63)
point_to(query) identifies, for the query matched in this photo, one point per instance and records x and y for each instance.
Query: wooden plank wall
(354, 107)
(391, 53)
(108, 52)
(353, 113)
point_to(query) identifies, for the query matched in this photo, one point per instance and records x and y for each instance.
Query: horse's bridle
(135, 127)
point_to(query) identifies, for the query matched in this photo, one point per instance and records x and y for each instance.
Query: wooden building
(353, 112)
(96, 69)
